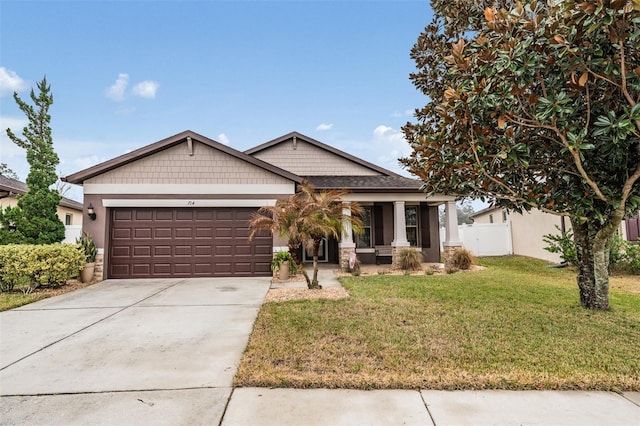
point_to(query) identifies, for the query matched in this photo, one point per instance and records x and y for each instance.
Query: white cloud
(12, 153)
(146, 89)
(223, 139)
(390, 145)
(324, 126)
(11, 82)
(117, 90)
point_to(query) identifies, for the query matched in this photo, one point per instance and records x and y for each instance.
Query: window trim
(364, 228)
(416, 226)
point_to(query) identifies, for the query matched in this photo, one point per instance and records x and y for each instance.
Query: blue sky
(125, 74)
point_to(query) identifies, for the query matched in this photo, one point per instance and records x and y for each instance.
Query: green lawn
(515, 325)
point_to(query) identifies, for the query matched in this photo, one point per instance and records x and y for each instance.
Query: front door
(323, 253)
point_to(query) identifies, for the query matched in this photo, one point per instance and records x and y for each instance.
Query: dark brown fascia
(81, 176)
(321, 145)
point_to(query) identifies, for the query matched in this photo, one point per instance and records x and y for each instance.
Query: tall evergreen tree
(34, 220)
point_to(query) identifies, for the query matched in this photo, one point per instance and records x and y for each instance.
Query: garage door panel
(243, 250)
(141, 251)
(184, 232)
(164, 215)
(160, 233)
(169, 242)
(162, 251)
(142, 233)
(186, 215)
(204, 232)
(142, 215)
(182, 251)
(140, 269)
(121, 251)
(122, 234)
(223, 233)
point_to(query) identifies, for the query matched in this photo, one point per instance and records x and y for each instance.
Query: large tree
(306, 218)
(535, 105)
(35, 220)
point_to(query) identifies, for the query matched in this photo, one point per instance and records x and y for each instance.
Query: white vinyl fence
(484, 239)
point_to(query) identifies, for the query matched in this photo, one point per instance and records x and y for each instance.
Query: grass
(18, 297)
(515, 325)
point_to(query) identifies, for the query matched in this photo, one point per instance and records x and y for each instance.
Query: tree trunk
(593, 247)
(316, 251)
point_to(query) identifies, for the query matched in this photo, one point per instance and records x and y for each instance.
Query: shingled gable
(299, 136)
(83, 175)
(380, 179)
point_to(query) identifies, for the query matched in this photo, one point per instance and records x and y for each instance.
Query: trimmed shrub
(410, 259)
(52, 264)
(461, 259)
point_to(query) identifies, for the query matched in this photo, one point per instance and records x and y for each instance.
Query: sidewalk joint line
(427, 408)
(226, 405)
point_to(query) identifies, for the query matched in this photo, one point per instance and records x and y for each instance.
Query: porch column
(399, 225)
(452, 238)
(399, 233)
(346, 245)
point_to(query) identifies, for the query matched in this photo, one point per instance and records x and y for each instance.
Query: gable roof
(323, 146)
(9, 187)
(81, 176)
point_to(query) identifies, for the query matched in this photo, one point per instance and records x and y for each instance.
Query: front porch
(391, 226)
(388, 227)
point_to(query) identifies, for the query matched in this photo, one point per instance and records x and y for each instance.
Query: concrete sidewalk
(260, 406)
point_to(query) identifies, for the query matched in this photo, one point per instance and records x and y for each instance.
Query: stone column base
(448, 251)
(345, 252)
(98, 271)
(395, 255)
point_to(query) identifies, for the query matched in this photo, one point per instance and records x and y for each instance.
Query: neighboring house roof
(485, 210)
(10, 187)
(81, 176)
(323, 146)
(366, 183)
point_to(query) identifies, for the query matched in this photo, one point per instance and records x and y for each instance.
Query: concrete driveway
(160, 351)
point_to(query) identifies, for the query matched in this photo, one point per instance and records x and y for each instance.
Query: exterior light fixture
(91, 212)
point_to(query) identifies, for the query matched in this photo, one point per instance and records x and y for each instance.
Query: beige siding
(309, 160)
(76, 216)
(175, 166)
(8, 202)
(527, 230)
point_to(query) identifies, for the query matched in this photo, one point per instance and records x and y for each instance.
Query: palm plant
(306, 218)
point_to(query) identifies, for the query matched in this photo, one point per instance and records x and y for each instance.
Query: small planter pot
(284, 271)
(86, 275)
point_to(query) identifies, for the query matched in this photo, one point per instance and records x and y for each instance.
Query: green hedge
(52, 264)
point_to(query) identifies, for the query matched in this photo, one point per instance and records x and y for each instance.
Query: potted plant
(284, 264)
(88, 246)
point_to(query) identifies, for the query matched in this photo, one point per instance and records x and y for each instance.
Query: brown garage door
(185, 242)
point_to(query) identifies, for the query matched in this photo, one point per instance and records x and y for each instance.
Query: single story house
(69, 211)
(528, 228)
(180, 207)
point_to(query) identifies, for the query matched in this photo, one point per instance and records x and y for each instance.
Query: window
(490, 218)
(364, 240)
(411, 219)
(504, 215)
(67, 219)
